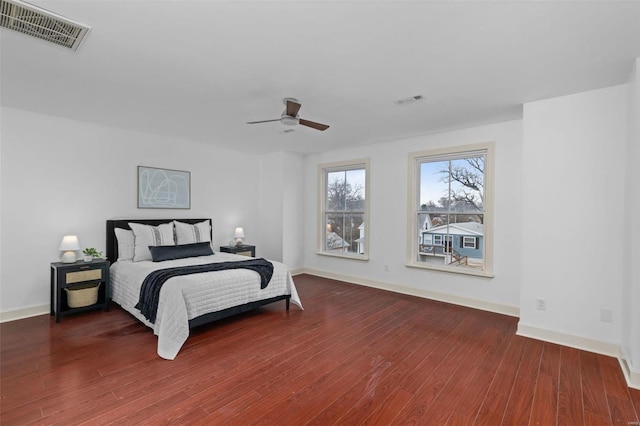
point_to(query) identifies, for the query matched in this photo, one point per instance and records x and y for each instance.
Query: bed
(190, 300)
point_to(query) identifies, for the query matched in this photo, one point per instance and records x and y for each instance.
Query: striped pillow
(197, 233)
(147, 235)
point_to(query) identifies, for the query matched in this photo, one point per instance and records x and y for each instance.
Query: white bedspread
(186, 297)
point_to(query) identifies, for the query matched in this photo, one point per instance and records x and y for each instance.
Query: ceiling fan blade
(263, 121)
(293, 108)
(313, 125)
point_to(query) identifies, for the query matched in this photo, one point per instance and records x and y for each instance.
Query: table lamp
(238, 234)
(69, 245)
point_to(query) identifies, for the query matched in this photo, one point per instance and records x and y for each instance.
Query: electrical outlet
(541, 304)
(606, 315)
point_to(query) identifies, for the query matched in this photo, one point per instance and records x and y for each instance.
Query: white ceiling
(199, 70)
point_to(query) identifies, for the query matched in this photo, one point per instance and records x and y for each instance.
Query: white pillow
(147, 235)
(197, 233)
(125, 243)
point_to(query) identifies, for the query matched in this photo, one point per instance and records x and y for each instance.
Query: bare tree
(342, 196)
(347, 201)
(429, 205)
(471, 177)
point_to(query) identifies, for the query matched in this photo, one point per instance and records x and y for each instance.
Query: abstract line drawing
(163, 188)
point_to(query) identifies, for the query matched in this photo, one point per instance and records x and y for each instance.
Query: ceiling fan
(290, 116)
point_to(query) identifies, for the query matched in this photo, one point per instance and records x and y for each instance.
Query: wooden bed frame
(112, 256)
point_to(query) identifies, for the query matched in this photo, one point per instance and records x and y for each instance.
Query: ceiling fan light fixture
(290, 117)
(287, 120)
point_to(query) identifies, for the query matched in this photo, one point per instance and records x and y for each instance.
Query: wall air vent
(31, 20)
(410, 100)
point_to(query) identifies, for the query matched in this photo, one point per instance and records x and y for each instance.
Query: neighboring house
(425, 219)
(336, 243)
(360, 239)
(465, 238)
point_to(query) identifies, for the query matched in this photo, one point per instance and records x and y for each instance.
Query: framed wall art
(163, 188)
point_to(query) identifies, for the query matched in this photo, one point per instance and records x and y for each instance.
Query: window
(469, 242)
(345, 205)
(450, 199)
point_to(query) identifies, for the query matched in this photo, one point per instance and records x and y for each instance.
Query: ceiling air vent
(409, 100)
(34, 21)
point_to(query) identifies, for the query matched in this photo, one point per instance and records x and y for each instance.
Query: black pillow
(162, 253)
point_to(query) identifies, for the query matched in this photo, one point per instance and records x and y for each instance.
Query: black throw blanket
(150, 290)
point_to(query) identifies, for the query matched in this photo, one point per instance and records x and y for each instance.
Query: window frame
(323, 171)
(415, 159)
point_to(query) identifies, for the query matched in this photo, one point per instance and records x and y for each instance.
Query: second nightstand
(244, 250)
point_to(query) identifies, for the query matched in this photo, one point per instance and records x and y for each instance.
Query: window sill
(360, 257)
(451, 270)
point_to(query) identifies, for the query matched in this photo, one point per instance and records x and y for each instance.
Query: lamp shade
(69, 244)
(238, 233)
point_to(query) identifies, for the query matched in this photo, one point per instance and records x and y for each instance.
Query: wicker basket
(81, 296)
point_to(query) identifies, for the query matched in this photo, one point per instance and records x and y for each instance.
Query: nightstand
(74, 277)
(243, 250)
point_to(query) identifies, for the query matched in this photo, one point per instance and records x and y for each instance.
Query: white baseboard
(583, 343)
(297, 271)
(513, 311)
(604, 348)
(24, 313)
(632, 377)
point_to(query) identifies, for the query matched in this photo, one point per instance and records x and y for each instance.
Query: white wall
(631, 272)
(293, 210)
(62, 177)
(573, 222)
(269, 213)
(388, 218)
(281, 213)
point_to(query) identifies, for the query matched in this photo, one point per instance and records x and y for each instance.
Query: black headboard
(112, 242)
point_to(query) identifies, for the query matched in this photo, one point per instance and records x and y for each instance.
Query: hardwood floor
(355, 356)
